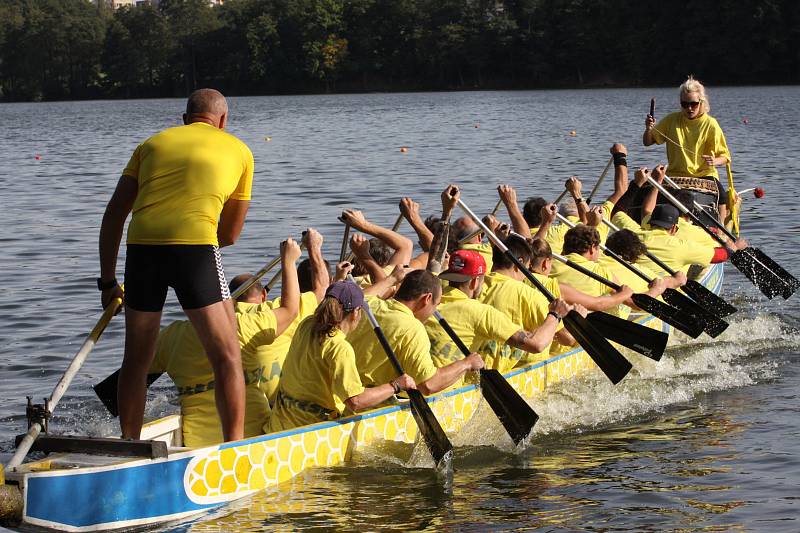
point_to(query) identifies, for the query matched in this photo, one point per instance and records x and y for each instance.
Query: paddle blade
(712, 324)
(672, 316)
(610, 361)
(792, 282)
(767, 281)
(516, 415)
(106, 390)
(432, 433)
(639, 338)
(708, 299)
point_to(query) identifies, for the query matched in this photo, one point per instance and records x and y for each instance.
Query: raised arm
(509, 197)
(290, 288)
(620, 155)
(321, 277)
(360, 246)
(410, 210)
(402, 246)
(574, 186)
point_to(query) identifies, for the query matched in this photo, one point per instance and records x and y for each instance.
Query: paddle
(106, 390)
(769, 277)
(62, 385)
(432, 433)
(599, 181)
(345, 242)
(697, 291)
(516, 415)
(697, 318)
(653, 107)
(610, 361)
(638, 337)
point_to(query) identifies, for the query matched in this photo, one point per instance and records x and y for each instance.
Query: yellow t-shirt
(551, 284)
(523, 305)
(485, 249)
(474, 322)
(678, 254)
(180, 354)
(580, 281)
(318, 371)
(555, 234)
(607, 207)
(406, 336)
(185, 175)
(696, 138)
(626, 277)
(271, 356)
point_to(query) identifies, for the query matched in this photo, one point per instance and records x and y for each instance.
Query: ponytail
(328, 316)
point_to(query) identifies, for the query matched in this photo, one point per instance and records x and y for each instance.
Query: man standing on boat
(188, 189)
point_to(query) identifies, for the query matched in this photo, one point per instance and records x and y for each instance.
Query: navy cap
(664, 216)
(346, 293)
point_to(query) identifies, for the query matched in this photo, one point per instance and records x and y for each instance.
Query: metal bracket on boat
(38, 413)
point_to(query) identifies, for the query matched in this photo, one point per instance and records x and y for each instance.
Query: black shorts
(194, 271)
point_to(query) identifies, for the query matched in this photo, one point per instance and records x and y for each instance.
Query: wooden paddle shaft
(66, 379)
(241, 289)
(600, 180)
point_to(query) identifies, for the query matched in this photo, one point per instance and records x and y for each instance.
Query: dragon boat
(128, 484)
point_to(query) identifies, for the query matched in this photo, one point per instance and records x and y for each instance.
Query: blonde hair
(327, 317)
(691, 85)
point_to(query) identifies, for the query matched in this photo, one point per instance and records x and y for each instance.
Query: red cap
(464, 265)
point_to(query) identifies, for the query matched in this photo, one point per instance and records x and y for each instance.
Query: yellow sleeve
(132, 168)
(623, 221)
(691, 252)
(414, 353)
(344, 374)
(718, 144)
(244, 188)
(496, 325)
(257, 329)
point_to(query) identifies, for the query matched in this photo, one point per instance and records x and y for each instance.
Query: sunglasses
(686, 105)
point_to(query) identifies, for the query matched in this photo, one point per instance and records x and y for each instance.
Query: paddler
(401, 319)
(695, 145)
(477, 323)
(179, 352)
(522, 304)
(387, 247)
(320, 379)
(188, 188)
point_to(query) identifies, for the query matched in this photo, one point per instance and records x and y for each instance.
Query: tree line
(74, 49)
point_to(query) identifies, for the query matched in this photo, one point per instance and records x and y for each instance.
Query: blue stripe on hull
(136, 493)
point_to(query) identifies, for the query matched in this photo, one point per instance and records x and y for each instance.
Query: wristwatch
(555, 315)
(105, 285)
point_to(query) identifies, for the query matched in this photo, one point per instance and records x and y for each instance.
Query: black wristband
(620, 159)
(554, 315)
(395, 386)
(105, 285)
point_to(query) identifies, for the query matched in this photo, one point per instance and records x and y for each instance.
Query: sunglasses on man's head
(686, 105)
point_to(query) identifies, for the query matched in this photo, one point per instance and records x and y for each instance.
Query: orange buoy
(573, 133)
(268, 139)
(403, 149)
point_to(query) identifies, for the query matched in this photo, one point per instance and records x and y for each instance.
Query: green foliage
(51, 49)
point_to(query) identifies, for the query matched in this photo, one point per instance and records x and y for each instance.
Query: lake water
(707, 440)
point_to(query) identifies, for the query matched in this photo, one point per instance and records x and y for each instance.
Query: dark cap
(463, 266)
(664, 216)
(346, 293)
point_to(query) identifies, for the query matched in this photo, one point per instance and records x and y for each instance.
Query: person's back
(185, 175)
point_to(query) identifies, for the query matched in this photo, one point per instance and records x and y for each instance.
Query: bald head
(464, 227)
(252, 295)
(206, 105)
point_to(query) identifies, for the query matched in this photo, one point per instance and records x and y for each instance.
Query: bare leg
(141, 332)
(216, 328)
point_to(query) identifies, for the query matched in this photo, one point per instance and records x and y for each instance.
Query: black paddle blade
(513, 411)
(106, 390)
(708, 299)
(767, 281)
(610, 361)
(712, 324)
(432, 433)
(787, 278)
(638, 337)
(672, 316)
